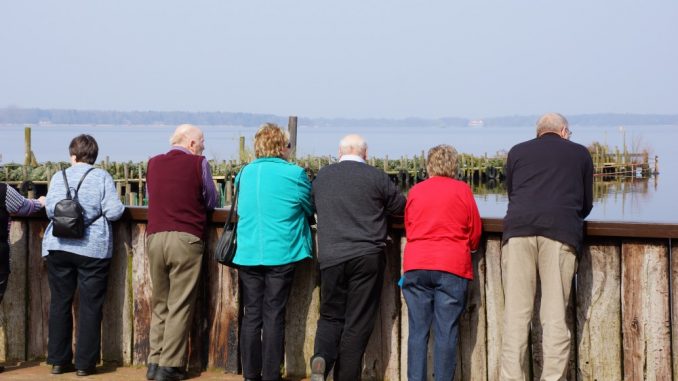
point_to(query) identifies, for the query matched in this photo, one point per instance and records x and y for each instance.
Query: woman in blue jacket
(274, 203)
(80, 263)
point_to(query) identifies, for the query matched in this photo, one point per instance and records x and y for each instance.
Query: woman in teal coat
(274, 203)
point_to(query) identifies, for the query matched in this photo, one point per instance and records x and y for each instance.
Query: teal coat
(274, 202)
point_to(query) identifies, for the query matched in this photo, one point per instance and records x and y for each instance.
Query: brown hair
(85, 149)
(270, 141)
(442, 161)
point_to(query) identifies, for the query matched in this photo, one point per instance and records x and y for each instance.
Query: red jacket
(443, 226)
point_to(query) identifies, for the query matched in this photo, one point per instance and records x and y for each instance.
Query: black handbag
(69, 217)
(224, 252)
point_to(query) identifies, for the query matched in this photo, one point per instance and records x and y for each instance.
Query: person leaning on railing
(80, 262)
(549, 181)
(443, 228)
(274, 203)
(11, 202)
(180, 194)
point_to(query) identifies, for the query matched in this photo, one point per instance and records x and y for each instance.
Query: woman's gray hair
(551, 122)
(442, 161)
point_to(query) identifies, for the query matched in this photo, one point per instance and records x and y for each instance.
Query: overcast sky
(344, 58)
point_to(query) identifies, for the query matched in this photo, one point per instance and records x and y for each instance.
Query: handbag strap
(81, 180)
(68, 188)
(234, 204)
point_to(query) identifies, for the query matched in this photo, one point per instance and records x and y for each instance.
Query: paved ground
(35, 371)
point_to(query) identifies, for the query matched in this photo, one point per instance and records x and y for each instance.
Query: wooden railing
(622, 316)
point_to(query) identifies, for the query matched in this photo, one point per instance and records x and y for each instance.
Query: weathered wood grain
(301, 320)
(38, 293)
(494, 299)
(116, 337)
(223, 309)
(645, 310)
(381, 356)
(142, 289)
(472, 329)
(599, 312)
(14, 308)
(674, 312)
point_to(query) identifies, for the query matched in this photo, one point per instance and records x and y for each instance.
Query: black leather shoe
(168, 373)
(86, 372)
(59, 369)
(152, 369)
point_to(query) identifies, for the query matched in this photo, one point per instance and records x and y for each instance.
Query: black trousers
(4, 268)
(265, 291)
(349, 299)
(66, 272)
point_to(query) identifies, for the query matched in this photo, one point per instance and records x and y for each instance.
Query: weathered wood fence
(623, 315)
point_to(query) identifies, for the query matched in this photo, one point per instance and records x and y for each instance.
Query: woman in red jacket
(443, 228)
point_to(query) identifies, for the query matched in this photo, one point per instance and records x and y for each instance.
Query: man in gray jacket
(353, 200)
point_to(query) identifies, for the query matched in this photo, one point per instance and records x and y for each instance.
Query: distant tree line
(13, 115)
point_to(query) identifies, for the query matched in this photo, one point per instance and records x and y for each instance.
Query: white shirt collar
(351, 158)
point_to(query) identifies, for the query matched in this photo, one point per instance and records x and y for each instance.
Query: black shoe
(59, 369)
(86, 372)
(152, 369)
(2, 369)
(168, 373)
(318, 369)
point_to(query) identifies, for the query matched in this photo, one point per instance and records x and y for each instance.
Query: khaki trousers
(175, 260)
(523, 261)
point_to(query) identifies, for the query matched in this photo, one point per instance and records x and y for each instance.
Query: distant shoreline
(37, 116)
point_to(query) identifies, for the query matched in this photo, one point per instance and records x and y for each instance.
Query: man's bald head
(554, 123)
(189, 137)
(353, 145)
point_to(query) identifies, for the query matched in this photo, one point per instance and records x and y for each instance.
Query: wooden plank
(116, 338)
(142, 289)
(599, 312)
(13, 308)
(674, 305)
(301, 320)
(38, 293)
(223, 310)
(495, 225)
(472, 330)
(494, 299)
(646, 331)
(381, 356)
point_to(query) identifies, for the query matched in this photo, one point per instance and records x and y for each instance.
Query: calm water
(653, 200)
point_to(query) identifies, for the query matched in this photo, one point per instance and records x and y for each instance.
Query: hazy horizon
(381, 59)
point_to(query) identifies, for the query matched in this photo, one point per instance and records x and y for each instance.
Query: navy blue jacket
(549, 181)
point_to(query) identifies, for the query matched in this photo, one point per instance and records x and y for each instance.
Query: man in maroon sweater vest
(180, 194)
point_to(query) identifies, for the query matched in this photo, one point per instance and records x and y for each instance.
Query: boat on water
(476, 123)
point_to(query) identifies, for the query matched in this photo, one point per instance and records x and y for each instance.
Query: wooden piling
(27, 144)
(292, 128)
(242, 154)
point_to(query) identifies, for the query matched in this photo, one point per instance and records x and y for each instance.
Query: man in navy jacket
(549, 181)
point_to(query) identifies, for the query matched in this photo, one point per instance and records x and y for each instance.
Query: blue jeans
(438, 298)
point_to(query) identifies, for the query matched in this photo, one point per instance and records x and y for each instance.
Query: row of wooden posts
(623, 314)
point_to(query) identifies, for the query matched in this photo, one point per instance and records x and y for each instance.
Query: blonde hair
(270, 141)
(442, 161)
